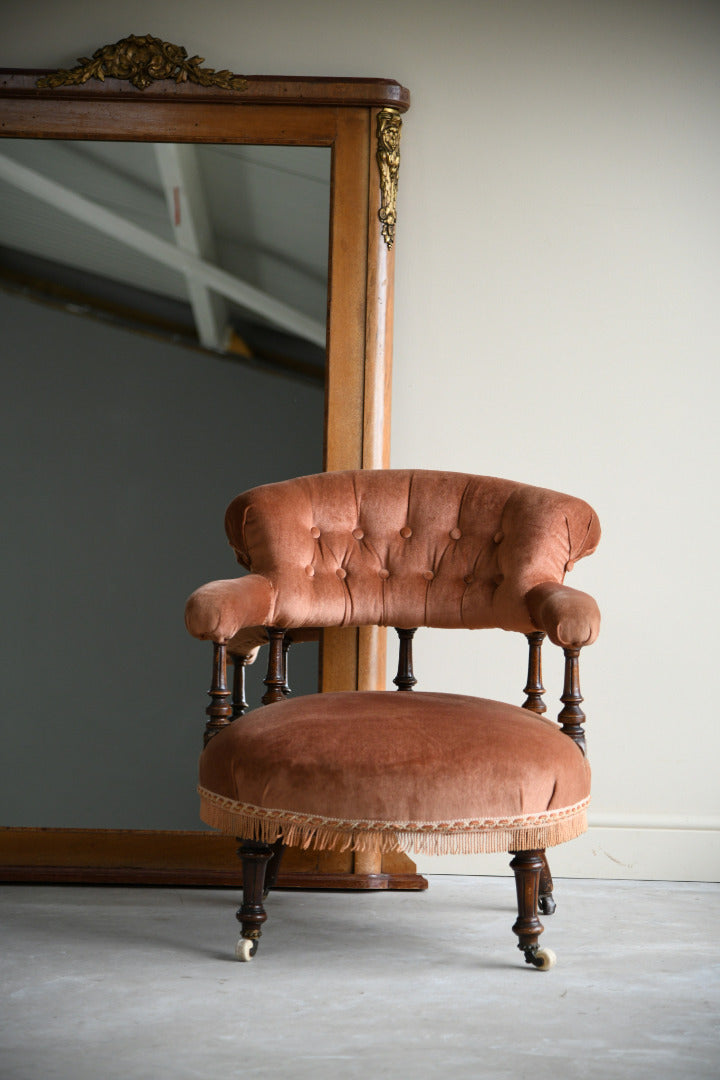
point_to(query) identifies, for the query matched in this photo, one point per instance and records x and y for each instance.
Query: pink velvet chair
(385, 771)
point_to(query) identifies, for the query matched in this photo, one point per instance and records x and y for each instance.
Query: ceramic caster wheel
(245, 949)
(547, 905)
(542, 959)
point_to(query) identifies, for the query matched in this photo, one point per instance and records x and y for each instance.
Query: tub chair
(402, 770)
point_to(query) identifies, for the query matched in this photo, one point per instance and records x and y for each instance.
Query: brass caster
(542, 959)
(245, 949)
(547, 905)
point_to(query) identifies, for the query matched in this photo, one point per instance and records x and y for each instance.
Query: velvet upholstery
(382, 770)
(387, 770)
(400, 548)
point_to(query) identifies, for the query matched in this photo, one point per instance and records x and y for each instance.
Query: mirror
(121, 372)
(354, 124)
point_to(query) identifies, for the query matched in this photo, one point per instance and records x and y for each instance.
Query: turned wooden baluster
(405, 679)
(276, 678)
(239, 704)
(287, 642)
(535, 689)
(534, 703)
(220, 708)
(572, 717)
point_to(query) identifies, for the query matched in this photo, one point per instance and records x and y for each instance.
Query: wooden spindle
(405, 679)
(535, 689)
(220, 708)
(275, 678)
(287, 642)
(572, 717)
(239, 704)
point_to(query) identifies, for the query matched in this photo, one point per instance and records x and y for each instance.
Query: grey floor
(103, 983)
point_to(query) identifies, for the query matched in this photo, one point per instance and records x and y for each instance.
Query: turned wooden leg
(251, 914)
(273, 867)
(546, 900)
(527, 866)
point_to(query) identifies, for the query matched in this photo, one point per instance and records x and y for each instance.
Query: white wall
(558, 255)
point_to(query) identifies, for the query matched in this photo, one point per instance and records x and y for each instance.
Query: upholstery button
(468, 579)
(499, 536)
(455, 534)
(310, 571)
(341, 573)
(428, 575)
(315, 531)
(358, 534)
(569, 565)
(384, 574)
(499, 578)
(406, 532)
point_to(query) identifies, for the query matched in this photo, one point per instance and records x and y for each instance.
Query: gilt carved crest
(143, 61)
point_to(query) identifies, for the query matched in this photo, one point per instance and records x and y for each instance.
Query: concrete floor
(104, 983)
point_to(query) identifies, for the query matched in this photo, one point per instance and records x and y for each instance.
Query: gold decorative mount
(143, 61)
(388, 159)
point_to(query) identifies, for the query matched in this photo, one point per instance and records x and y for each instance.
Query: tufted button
(455, 534)
(499, 536)
(468, 579)
(341, 573)
(569, 565)
(499, 578)
(310, 571)
(428, 575)
(315, 532)
(384, 574)
(358, 534)
(406, 532)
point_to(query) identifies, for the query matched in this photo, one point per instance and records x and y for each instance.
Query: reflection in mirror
(232, 234)
(198, 372)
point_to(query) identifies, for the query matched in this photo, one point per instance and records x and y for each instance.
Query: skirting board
(608, 851)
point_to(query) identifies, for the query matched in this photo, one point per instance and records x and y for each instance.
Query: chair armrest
(220, 609)
(570, 618)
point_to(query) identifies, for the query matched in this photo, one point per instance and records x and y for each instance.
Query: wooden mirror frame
(359, 120)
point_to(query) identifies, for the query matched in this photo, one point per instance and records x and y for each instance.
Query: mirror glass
(164, 314)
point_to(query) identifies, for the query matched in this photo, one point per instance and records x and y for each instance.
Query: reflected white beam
(190, 221)
(147, 243)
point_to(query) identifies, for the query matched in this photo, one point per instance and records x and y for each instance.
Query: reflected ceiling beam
(169, 255)
(185, 198)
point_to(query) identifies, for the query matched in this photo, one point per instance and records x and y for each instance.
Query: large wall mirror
(196, 287)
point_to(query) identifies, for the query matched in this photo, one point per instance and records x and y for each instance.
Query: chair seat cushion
(388, 771)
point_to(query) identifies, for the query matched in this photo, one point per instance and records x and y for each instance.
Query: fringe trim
(523, 833)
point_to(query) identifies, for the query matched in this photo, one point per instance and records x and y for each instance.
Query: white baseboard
(644, 848)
